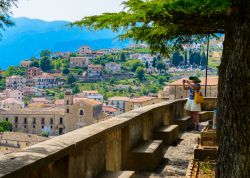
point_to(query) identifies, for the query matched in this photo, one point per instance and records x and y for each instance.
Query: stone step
(184, 123)
(206, 116)
(119, 174)
(169, 134)
(146, 156)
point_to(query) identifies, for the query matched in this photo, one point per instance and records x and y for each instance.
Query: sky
(70, 10)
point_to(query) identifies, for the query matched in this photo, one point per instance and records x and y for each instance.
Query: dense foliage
(5, 6)
(5, 126)
(162, 23)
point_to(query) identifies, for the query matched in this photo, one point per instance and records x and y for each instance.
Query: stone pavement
(176, 157)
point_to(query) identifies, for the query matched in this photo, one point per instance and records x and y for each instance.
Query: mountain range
(29, 36)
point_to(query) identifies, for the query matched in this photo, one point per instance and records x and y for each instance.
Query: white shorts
(191, 105)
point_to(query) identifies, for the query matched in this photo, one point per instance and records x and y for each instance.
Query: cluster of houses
(60, 116)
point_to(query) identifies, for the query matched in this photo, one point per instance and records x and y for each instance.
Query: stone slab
(169, 134)
(146, 156)
(184, 123)
(119, 174)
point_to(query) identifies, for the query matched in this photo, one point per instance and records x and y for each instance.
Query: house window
(42, 127)
(34, 126)
(81, 113)
(7, 119)
(25, 126)
(67, 110)
(51, 127)
(42, 121)
(51, 121)
(67, 102)
(16, 120)
(34, 121)
(60, 120)
(25, 120)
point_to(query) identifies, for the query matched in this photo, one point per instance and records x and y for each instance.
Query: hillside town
(47, 96)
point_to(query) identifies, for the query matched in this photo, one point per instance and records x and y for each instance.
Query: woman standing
(193, 85)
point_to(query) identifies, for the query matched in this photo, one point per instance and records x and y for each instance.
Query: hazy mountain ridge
(29, 36)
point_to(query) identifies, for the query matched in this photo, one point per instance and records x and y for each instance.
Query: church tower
(68, 101)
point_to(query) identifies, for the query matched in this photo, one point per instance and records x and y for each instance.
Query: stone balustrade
(94, 149)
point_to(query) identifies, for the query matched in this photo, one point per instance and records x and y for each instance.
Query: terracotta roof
(11, 100)
(141, 99)
(87, 101)
(34, 111)
(109, 109)
(119, 98)
(59, 102)
(18, 136)
(96, 66)
(26, 62)
(90, 91)
(15, 76)
(213, 80)
(39, 100)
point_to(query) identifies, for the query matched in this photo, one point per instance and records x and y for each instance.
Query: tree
(154, 63)
(185, 58)
(203, 59)
(161, 66)
(65, 71)
(197, 58)
(34, 63)
(134, 64)
(160, 22)
(71, 79)
(123, 57)
(161, 80)
(147, 65)
(15, 71)
(191, 57)
(5, 126)
(45, 64)
(177, 58)
(5, 14)
(45, 53)
(140, 73)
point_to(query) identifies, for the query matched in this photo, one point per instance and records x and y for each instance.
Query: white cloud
(70, 10)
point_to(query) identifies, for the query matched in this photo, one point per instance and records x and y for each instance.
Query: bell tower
(68, 101)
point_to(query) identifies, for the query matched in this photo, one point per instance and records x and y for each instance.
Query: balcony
(111, 145)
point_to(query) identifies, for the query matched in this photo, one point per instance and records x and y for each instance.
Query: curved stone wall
(100, 147)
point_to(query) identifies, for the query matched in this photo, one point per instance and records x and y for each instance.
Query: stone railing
(100, 147)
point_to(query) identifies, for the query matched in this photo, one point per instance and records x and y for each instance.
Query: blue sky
(69, 10)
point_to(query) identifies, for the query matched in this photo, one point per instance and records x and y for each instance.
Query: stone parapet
(90, 151)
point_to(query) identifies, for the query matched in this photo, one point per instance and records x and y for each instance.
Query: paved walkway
(176, 158)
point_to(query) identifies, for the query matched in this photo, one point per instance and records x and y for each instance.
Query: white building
(118, 102)
(79, 62)
(146, 58)
(83, 50)
(16, 82)
(122, 87)
(92, 94)
(94, 70)
(46, 81)
(11, 104)
(15, 94)
(113, 67)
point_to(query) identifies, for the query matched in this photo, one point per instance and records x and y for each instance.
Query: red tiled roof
(141, 99)
(109, 109)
